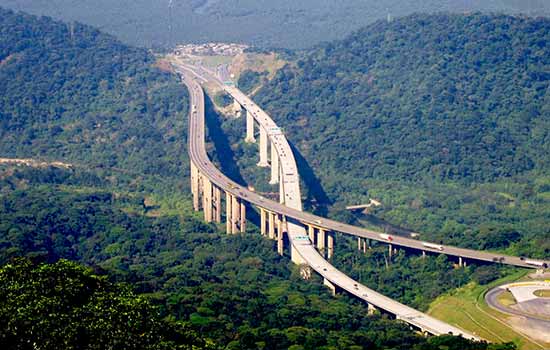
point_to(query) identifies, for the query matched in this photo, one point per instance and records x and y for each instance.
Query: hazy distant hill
(278, 23)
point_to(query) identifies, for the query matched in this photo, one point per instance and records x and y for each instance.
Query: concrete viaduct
(311, 237)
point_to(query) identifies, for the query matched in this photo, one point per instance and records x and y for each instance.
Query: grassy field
(543, 293)
(506, 298)
(466, 309)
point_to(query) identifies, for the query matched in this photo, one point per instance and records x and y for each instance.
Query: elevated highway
(206, 179)
(292, 204)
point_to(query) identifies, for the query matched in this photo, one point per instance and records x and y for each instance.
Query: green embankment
(466, 308)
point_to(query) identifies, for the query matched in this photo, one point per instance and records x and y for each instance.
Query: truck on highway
(386, 237)
(537, 263)
(301, 240)
(433, 246)
(194, 108)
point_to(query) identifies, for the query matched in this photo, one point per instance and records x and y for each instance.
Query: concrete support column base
(371, 309)
(330, 286)
(305, 271)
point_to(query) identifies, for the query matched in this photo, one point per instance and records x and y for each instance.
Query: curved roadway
(292, 211)
(296, 232)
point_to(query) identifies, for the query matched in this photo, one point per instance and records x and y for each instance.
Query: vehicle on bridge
(433, 246)
(301, 240)
(537, 263)
(386, 237)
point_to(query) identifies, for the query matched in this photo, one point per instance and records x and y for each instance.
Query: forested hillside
(234, 290)
(74, 94)
(445, 118)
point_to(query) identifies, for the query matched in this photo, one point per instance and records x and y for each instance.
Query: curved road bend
(330, 225)
(308, 252)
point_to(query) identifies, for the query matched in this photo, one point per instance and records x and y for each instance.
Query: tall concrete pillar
(195, 186)
(207, 199)
(218, 201)
(321, 239)
(262, 221)
(237, 108)
(228, 212)
(423, 254)
(359, 243)
(249, 128)
(311, 233)
(263, 148)
(271, 227)
(330, 245)
(243, 216)
(330, 286)
(274, 166)
(366, 244)
(235, 214)
(281, 188)
(280, 242)
(390, 250)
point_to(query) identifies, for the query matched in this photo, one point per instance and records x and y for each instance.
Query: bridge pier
(263, 148)
(390, 251)
(249, 128)
(195, 186)
(371, 309)
(330, 245)
(271, 228)
(228, 212)
(280, 236)
(235, 213)
(461, 262)
(242, 226)
(217, 216)
(330, 286)
(207, 199)
(311, 233)
(263, 222)
(321, 241)
(363, 244)
(274, 166)
(237, 108)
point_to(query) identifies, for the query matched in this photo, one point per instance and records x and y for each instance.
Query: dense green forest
(443, 118)
(275, 23)
(234, 290)
(67, 306)
(74, 94)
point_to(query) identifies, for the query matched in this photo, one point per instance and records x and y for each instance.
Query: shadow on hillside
(315, 189)
(223, 152)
